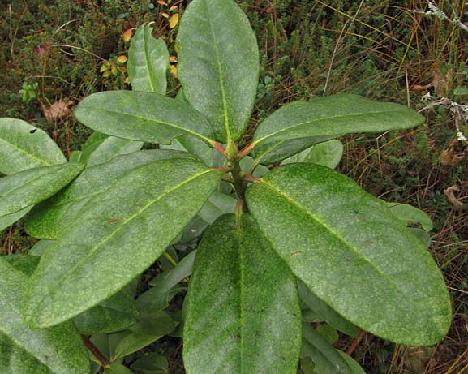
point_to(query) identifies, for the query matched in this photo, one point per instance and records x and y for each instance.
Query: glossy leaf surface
(148, 60)
(219, 64)
(242, 309)
(335, 116)
(59, 348)
(23, 147)
(20, 192)
(350, 250)
(145, 116)
(49, 219)
(116, 237)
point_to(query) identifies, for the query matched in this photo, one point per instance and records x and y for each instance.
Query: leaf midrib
(149, 67)
(242, 302)
(157, 121)
(227, 128)
(25, 152)
(313, 121)
(90, 254)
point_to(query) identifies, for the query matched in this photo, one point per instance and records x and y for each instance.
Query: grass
(56, 50)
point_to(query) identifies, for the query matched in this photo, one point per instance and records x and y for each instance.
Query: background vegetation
(53, 53)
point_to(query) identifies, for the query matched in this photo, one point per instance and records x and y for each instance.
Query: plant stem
(102, 360)
(238, 180)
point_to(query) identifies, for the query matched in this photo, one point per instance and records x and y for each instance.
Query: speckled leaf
(242, 313)
(148, 60)
(335, 116)
(59, 348)
(100, 148)
(20, 192)
(324, 312)
(116, 237)
(350, 250)
(14, 360)
(23, 147)
(145, 116)
(49, 219)
(219, 64)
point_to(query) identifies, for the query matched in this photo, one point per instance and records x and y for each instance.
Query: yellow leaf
(122, 59)
(106, 74)
(127, 35)
(174, 20)
(114, 70)
(173, 70)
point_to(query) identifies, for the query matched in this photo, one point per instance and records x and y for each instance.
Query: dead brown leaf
(452, 198)
(57, 111)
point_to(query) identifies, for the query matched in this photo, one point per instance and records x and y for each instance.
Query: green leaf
(145, 116)
(410, 215)
(152, 363)
(148, 60)
(100, 148)
(219, 64)
(327, 359)
(324, 312)
(326, 154)
(217, 205)
(117, 236)
(353, 365)
(158, 297)
(14, 360)
(49, 219)
(117, 368)
(59, 348)
(350, 251)
(335, 116)
(276, 151)
(39, 248)
(149, 329)
(114, 314)
(20, 192)
(242, 310)
(23, 147)
(24, 263)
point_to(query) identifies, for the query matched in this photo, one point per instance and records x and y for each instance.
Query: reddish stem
(103, 360)
(219, 148)
(355, 342)
(245, 151)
